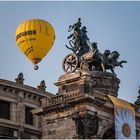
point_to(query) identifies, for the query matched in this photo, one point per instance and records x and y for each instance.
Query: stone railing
(58, 99)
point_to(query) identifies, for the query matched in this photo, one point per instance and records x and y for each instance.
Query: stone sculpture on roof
(20, 78)
(83, 50)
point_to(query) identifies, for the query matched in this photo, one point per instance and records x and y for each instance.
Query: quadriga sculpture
(88, 52)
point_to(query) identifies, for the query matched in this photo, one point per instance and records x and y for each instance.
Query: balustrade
(59, 99)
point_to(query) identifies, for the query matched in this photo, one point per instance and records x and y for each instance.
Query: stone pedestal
(81, 109)
(97, 82)
(85, 95)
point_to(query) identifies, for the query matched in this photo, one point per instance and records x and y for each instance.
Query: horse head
(114, 55)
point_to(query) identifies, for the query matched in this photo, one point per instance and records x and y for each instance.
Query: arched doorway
(109, 134)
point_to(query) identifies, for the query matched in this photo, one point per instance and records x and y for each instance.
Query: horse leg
(121, 62)
(112, 70)
(103, 67)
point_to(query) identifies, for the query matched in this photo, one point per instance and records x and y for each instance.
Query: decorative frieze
(105, 82)
(8, 92)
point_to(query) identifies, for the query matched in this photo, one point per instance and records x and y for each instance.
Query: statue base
(96, 82)
(81, 102)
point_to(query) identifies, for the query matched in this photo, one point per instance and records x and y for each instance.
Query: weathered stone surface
(85, 95)
(76, 93)
(60, 128)
(105, 82)
(19, 96)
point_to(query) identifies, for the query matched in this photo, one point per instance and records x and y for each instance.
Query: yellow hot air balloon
(35, 38)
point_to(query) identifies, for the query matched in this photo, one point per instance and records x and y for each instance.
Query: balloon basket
(36, 67)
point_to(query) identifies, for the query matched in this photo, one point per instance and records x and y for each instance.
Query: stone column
(13, 111)
(35, 120)
(21, 114)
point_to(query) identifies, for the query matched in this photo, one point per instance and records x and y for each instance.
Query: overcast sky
(113, 25)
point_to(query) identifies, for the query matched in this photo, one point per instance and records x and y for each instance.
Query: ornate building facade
(16, 102)
(82, 98)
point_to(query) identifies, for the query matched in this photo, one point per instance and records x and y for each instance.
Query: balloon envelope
(35, 38)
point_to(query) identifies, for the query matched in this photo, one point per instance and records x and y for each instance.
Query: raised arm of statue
(75, 25)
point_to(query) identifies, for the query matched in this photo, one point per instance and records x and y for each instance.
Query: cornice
(25, 88)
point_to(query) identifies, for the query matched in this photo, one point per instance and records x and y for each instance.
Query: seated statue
(94, 58)
(20, 78)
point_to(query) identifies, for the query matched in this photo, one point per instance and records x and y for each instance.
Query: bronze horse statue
(113, 61)
(102, 62)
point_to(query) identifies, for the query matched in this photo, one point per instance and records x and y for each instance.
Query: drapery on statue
(88, 52)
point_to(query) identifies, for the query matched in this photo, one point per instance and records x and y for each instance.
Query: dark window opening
(27, 135)
(5, 110)
(28, 115)
(6, 133)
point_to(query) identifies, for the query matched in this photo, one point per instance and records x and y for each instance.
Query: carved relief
(70, 87)
(86, 125)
